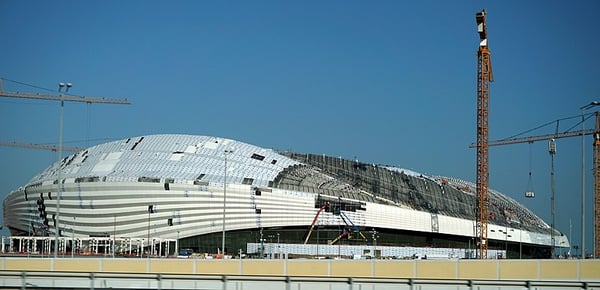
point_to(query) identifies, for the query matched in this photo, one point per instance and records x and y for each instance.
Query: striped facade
(176, 187)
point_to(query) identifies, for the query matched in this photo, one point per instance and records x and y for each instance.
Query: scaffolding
(90, 246)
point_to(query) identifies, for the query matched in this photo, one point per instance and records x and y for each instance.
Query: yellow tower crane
(596, 240)
(484, 77)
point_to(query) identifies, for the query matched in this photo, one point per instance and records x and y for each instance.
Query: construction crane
(53, 148)
(596, 163)
(484, 77)
(62, 98)
(596, 188)
(47, 97)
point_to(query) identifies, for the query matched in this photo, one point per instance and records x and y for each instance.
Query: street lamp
(505, 232)
(114, 235)
(278, 248)
(177, 245)
(583, 108)
(60, 149)
(374, 243)
(73, 238)
(506, 235)
(509, 236)
(225, 152)
(151, 209)
(262, 244)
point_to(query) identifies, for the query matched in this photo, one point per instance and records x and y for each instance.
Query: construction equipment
(596, 188)
(53, 148)
(355, 228)
(350, 229)
(552, 150)
(343, 234)
(484, 77)
(60, 98)
(312, 226)
(47, 97)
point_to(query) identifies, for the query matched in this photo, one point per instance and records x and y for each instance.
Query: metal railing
(74, 280)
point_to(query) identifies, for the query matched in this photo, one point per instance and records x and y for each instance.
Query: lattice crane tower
(597, 188)
(484, 77)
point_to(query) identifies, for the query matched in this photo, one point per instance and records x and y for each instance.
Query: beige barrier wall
(588, 270)
(436, 269)
(306, 268)
(518, 270)
(391, 269)
(478, 270)
(75, 265)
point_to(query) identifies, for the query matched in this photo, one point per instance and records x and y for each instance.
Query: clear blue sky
(388, 82)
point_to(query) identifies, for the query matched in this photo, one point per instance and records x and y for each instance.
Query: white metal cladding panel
(455, 226)
(562, 241)
(393, 217)
(284, 208)
(16, 209)
(94, 208)
(99, 207)
(384, 216)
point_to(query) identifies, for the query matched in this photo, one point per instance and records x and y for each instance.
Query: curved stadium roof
(199, 159)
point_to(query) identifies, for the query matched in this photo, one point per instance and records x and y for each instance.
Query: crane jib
(532, 139)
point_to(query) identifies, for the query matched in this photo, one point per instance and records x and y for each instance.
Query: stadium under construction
(158, 194)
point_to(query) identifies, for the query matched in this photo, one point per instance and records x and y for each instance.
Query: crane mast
(484, 77)
(596, 241)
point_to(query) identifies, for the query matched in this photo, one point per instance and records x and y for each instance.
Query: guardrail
(71, 280)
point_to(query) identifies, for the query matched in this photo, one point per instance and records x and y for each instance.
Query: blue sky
(387, 82)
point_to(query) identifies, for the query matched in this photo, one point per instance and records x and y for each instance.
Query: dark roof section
(344, 178)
